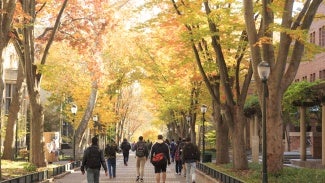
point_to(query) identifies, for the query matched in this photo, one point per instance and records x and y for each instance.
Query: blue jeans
(93, 175)
(111, 164)
(178, 166)
(190, 172)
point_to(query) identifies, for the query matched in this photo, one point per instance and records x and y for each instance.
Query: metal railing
(222, 177)
(30, 178)
(44, 175)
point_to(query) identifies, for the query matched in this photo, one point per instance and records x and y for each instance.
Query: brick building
(314, 69)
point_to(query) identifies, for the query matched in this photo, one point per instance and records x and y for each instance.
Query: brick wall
(314, 69)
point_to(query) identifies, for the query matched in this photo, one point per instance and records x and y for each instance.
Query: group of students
(185, 155)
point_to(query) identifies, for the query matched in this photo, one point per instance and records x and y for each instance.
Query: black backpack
(93, 157)
(141, 149)
(190, 152)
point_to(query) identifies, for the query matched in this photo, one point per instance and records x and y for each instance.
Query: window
(322, 74)
(10, 89)
(322, 36)
(312, 77)
(312, 37)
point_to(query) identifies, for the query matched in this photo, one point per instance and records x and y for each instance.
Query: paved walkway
(125, 174)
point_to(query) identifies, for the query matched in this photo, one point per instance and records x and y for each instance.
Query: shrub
(30, 167)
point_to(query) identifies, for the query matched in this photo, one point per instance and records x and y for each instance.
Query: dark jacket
(160, 147)
(125, 146)
(110, 151)
(86, 161)
(190, 153)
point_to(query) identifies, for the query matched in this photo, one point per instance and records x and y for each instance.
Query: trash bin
(207, 158)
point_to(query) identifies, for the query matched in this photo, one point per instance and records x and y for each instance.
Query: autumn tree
(25, 46)
(223, 66)
(284, 56)
(7, 10)
(173, 79)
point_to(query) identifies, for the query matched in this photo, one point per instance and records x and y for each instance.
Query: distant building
(10, 64)
(314, 69)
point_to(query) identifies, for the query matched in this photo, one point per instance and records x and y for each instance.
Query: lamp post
(188, 119)
(74, 110)
(16, 137)
(95, 119)
(204, 109)
(263, 69)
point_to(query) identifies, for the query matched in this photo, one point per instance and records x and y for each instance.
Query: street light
(188, 119)
(204, 109)
(263, 69)
(74, 110)
(95, 119)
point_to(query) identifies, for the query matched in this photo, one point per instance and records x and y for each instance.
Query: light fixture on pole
(188, 119)
(263, 69)
(95, 119)
(74, 110)
(204, 109)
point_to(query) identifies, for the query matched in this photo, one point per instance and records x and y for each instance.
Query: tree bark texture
(240, 161)
(79, 133)
(222, 140)
(7, 6)
(13, 121)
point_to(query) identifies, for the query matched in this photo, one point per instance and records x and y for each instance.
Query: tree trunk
(240, 161)
(36, 155)
(222, 141)
(79, 133)
(5, 27)
(274, 130)
(12, 123)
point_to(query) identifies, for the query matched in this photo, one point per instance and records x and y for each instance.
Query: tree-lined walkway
(125, 174)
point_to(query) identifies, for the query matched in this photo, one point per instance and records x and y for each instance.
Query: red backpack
(177, 154)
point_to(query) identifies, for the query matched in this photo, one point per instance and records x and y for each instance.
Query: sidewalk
(125, 174)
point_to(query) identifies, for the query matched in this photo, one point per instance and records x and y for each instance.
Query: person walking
(160, 158)
(178, 160)
(110, 153)
(92, 161)
(181, 143)
(190, 156)
(141, 153)
(172, 149)
(125, 146)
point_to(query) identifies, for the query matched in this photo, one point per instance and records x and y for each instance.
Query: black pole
(74, 141)
(264, 149)
(74, 145)
(203, 139)
(16, 140)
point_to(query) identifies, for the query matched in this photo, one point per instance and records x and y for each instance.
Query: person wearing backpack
(172, 149)
(125, 146)
(141, 153)
(178, 160)
(92, 161)
(110, 154)
(160, 158)
(190, 156)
